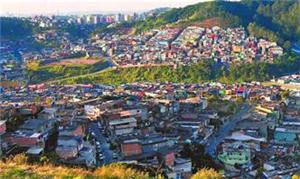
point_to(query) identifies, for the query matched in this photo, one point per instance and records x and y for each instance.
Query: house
(45, 127)
(86, 156)
(68, 147)
(48, 114)
(182, 169)
(167, 157)
(123, 126)
(264, 110)
(137, 113)
(92, 111)
(155, 143)
(24, 139)
(279, 170)
(234, 154)
(195, 104)
(295, 100)
(146, 146)
(131, 147)
(287, 134)
(33, 132)
(74, 129)
(34, 151)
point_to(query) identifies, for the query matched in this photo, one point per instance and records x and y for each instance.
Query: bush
(17, 167)
(207, 174)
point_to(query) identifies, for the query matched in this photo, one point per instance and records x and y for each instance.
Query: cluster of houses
(188, 45)
(169, 46)
(149, 123)
(289, 79)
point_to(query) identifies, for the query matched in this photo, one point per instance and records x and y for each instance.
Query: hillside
(39, 73)
(200, 72)
(18, 167)
(274, 20)
(15, 28)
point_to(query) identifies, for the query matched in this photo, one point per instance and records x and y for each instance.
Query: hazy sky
(66, 6)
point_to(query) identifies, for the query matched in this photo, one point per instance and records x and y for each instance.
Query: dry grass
(74, 62)
(207, 174)
(209, 23)
(17, 167)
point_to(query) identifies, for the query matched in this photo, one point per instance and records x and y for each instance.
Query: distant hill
(277, 20)
(14, 28)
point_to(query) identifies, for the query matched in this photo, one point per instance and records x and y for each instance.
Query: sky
(30, 7)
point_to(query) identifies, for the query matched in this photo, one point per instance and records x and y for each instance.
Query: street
(224, 131)
(107, 153)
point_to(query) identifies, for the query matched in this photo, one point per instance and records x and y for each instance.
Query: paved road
(224, 131)
(107, 153)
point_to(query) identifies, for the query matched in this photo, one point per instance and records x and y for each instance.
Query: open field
(74, 62)
(209, 23)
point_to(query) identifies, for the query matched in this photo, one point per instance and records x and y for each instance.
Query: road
(224, 131)
(107, 153)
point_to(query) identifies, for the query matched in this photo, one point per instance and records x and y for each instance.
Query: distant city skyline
(35, 7)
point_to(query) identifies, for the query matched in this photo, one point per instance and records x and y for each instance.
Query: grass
(17, 167)
(42, 73)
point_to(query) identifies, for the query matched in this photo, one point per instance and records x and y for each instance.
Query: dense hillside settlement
(174, 128)
(210, 90)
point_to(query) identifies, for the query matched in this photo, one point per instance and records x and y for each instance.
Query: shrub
(207, 174)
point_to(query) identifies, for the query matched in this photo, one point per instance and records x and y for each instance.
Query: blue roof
(285, 136)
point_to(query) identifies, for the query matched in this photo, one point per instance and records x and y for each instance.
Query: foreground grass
(17, 167)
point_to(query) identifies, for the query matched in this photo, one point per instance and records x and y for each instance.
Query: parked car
(115, 156)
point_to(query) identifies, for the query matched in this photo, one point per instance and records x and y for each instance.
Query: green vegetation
(262, 32)
(274, 20)
(202, 72)
(189, 15)
(224, 107)
(18, 167)
(200, 160)
(193, 73)
(40, 73)
(15, 28)
(284, 16)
